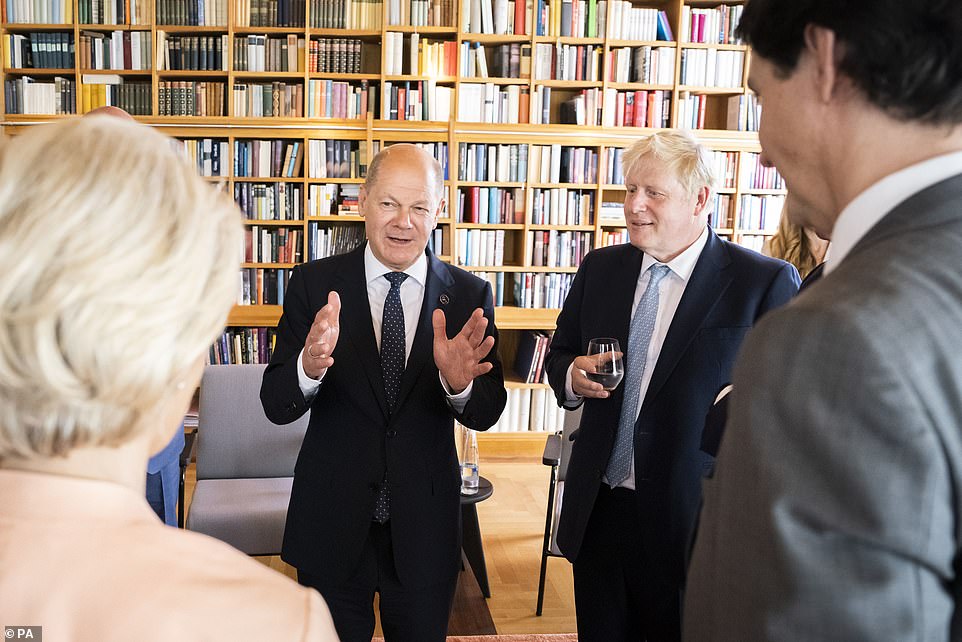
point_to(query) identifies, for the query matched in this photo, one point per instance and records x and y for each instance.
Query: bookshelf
(527, 104)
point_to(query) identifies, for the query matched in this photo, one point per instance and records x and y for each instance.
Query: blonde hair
(791, 243)
(120, 265)
(684, 157)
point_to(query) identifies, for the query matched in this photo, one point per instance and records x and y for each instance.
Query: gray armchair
(245, 463)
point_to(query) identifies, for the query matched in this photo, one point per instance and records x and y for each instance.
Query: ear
(821, 44)
(437, 213)
(701, 200)
(361, 197)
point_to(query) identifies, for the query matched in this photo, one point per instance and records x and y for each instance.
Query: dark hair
(905, 56)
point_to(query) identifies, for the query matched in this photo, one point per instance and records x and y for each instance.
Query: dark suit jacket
(729, 289)
(352, 439)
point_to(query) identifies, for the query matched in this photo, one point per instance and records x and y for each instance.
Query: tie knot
(396, 278)
(658, 272)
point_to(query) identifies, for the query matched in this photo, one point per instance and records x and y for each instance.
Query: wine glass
(609, 366)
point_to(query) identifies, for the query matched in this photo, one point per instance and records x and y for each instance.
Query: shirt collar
(683, 264)
(869, 207)
(374, 269)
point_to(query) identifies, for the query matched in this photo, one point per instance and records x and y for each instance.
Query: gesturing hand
(459, 359)
(322, 338)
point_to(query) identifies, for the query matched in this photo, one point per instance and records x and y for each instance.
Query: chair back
(235, 439)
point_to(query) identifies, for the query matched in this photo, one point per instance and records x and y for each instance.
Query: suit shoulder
(606, 255)
(319, 267)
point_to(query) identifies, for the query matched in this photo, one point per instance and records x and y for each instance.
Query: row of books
(268, 158)
(744, 113)
(336, 159)
(335, 55)
(530, 410)
(490, 103)
(724, 164)
(39, 12)
(418, 100)
(529, 356)
(712, 68)
(38, 50)
(190, 98)
(263, 53)
(713, 25)
(25, 95)
(480, 247)
(346, 14)
(557, 249)
(756, 176)
(421, 13)
(752, 241)
(424, 57)
(503, 163)
(110, 12)
(494, 16)
(263, 286)
(272, 99)
(243, 345)
(436, 242)
(272, 244)
(133, 96)
(612, 212)
(613, 171)
(331, 199)
(328, 240)
(566, 62)
(203, 13)
(269, 13)
(614, 237)
(539, 290)
(270, 201)
(642, 108)
(562, 206)
(490, 205)
(208, 155)
(511, 60)
(760, 213)
(719, 215)
(195, 53)
(339, 99)
(650, 65)
(116, 50)
(439, 151)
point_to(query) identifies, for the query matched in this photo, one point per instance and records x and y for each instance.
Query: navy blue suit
(352, 439)
(729, 289)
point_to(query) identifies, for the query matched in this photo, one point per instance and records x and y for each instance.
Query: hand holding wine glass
(603, 369)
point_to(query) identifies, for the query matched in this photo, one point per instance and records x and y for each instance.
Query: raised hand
(459, 359)
(322, 338)
(580, 384)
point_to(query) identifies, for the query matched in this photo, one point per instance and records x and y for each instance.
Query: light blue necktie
(392, 365)
(639, 336)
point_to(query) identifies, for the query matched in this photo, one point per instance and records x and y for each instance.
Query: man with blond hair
(679, 300)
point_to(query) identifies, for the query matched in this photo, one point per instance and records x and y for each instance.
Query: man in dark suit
(835, 511)
(376, 500)
(679, 300)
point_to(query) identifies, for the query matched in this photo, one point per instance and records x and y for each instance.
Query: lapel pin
(444, 299)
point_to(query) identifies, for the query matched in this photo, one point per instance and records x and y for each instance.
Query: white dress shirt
(670, 291)
(412, 296)
(869, 207)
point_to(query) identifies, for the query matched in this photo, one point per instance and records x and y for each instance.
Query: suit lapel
(706, 285)
(356, 323)
(438, 282)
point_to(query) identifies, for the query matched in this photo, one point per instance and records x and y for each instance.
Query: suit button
(392, 433)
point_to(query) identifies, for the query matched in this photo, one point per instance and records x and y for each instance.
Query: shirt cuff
(572, 400)
(308, 386)
(457, 401)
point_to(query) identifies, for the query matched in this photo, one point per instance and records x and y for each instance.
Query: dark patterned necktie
(392, 366)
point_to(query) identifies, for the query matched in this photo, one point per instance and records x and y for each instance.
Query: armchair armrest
(186, 456)
(552, 450)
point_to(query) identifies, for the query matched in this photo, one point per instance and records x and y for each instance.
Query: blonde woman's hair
(684, 156)
(790, 243)
(119, 265)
